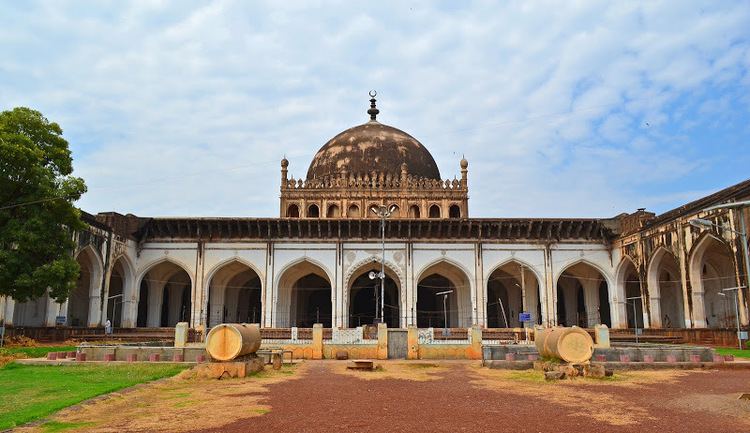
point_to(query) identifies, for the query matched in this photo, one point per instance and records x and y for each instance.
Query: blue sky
(569, 108)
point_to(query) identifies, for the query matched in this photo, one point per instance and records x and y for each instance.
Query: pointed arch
(121, 310)
(84, 301)
(665, 293)
(586, 297)
(165, 298)
(512, 286)
(438, 276)
(234, 288)
(711, 268)
(304, 294)
(627, 287)
(356, 300)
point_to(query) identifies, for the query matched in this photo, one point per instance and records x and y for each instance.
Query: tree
(37, 216)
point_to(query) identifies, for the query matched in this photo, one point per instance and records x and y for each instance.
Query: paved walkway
(462, 397)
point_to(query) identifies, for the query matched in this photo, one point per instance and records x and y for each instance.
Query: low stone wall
(450, 351)
(96, 353)
(635, 353)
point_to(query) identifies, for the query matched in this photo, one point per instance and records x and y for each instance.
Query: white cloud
(575, 109)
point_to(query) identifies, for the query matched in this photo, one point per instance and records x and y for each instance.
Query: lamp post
(635, 316)
(383, 212)
(445, 309)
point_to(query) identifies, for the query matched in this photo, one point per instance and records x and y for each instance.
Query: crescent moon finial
(373, 93)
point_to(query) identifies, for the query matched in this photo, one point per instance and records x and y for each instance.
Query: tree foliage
(37, 216)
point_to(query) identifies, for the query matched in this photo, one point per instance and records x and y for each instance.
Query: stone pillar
(317, 341)
(53, 310)
(10, 308)
(382, 341)
(619, 314)
(655, 307)
(549, 307)
(198, 291)
(155, 298)
(591, 300)
(269, 299)
(699, 309)
(95, 309)
(476, 343)
(340, 292)
(412, 342)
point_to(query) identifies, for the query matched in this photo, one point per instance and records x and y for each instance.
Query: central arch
(234, 294)
(304, 296)
(432, 308)
(364, 296)
(583, 297)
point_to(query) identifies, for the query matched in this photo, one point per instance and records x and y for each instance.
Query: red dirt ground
(326, 401)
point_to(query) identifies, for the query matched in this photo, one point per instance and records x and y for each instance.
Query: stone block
(276, 361)
(81, 357)
(570, 371)
(109, 357)
(594, 370)
(718, 359)
(51, 356)
(383, 341)
(342, 355)
(181, 334)
(72, 354)
(729, 358)
(154, 357)
(554, 375)
(317, 337)
(601, 336)
(225, 370)
(178, 357)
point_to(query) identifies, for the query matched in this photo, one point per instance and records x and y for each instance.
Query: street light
(635, 316)
(383, 212)
(742, 232)
(736, 291)
(445, 309)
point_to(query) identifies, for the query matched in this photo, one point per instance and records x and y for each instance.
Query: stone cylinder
(573, 344)
(227, 341)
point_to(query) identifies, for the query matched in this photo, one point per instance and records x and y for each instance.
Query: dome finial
(373, 111)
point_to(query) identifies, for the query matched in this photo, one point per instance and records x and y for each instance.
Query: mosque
(321, 260)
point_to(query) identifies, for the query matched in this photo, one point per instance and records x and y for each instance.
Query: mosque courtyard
(402, 396)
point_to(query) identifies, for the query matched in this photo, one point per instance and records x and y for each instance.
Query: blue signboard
(524, 317)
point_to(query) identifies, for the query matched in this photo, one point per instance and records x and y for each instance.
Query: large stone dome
(370, 147)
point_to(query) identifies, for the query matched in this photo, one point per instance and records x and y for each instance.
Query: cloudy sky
(570, 108)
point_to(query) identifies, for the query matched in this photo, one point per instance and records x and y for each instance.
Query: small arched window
(292, 211)
(353, 211)
(333, 211)
(313, 211)
(396, 212)
(372, 211)
(434, 211)
(414, 211)
(454, 211)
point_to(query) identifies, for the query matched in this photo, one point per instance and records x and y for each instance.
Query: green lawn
(30, 392)
(35, 352)
(736, 352)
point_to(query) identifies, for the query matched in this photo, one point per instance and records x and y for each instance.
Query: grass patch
(736, 352)
(30, 392)
(56, 426)
(35, 352)
(261, 411)
(419, 365)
